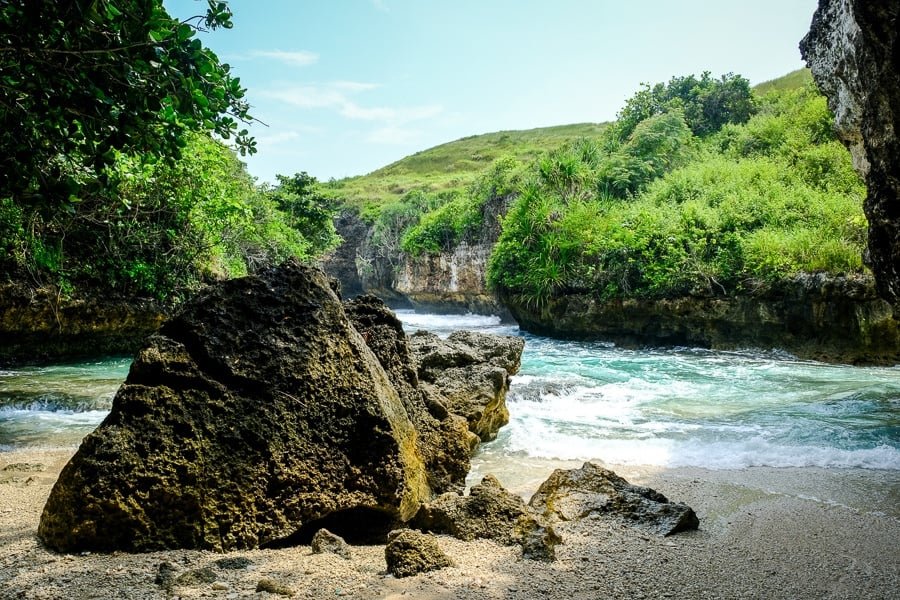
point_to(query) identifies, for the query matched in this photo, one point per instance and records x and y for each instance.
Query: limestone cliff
(451, 281)
(852, 49)
(834, 319)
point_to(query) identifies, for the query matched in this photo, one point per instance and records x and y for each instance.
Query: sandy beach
(764, 533)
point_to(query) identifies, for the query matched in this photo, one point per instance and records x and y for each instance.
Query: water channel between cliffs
(574, 401)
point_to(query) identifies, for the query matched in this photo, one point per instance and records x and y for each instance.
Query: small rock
(234, 563)
(220, 585)
(538, 541)
(200, 576)
(25, 467)
(325, 541)
(410, 552)
(273, 587)
(165, 575)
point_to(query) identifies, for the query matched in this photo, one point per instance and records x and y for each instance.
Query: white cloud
(298, 58)
(381, 5)
(336, 96)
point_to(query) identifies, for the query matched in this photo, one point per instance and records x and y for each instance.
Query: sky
(345, 87)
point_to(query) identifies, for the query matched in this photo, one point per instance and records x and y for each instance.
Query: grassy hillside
(454, 166)
(792, 81)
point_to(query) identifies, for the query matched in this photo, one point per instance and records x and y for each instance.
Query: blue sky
(348, 86)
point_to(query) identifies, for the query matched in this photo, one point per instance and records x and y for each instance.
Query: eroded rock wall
(42, 325)
(834, 319)
(852, 50)
(453, 280)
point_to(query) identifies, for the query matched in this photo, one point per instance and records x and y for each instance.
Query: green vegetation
(792, 81)
(110, 178)
(740, 207)
(455, 166)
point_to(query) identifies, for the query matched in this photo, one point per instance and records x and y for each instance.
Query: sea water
(574, 401)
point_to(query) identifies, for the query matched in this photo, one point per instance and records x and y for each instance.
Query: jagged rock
(593, 491)
(443, 438)
(409, 552)
(251, 415)
(489, 512)
(853, 52)
(538, 541)
(470, 371)
(274, 587)
(325, 541)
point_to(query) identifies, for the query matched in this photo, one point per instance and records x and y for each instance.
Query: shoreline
(764, 532)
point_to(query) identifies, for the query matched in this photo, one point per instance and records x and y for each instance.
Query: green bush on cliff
(459, 216)
(673, 214)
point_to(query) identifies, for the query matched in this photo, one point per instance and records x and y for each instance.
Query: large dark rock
(255, 413)
(471, 372)
(593, 491)
(852, 49)
(266, 410)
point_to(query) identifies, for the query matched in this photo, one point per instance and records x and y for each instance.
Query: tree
(307, 210)
(83, 79)
(708, 103)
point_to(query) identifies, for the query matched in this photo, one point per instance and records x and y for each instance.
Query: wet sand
(764, 533)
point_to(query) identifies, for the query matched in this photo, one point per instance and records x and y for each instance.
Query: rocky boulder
(471, 372)
(253, 414)
(443, 437)
(593, 491)
(266, 410)
(410, 552)
(853, 52)
(489, 512)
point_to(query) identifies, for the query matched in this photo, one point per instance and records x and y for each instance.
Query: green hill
(455, 165)
(793, 80)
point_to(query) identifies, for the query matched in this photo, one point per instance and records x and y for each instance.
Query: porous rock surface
(489, 512)
(409, 552)
(852, 50)
(593, 491)
(255, 413)
(471, 371)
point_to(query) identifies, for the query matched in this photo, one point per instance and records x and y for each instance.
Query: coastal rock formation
(255, 417)
(593, 491)
(444, 438)
(470, 371)
(42, 325)
(325, 541)
(489, 512)
(853, 52)
(821, 317)
(450, 281)
(409, 552)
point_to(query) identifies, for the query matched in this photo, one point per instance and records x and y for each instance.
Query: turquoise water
(581, 401)
(57, 405)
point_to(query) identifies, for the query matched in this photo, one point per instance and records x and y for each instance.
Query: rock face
(594, 491)
(257, 415)
(489, 512)
(835, 319)
(40, 326)
(410, 552)
(452, 281)
(853, 52)
(470, 371)
(444, 437)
